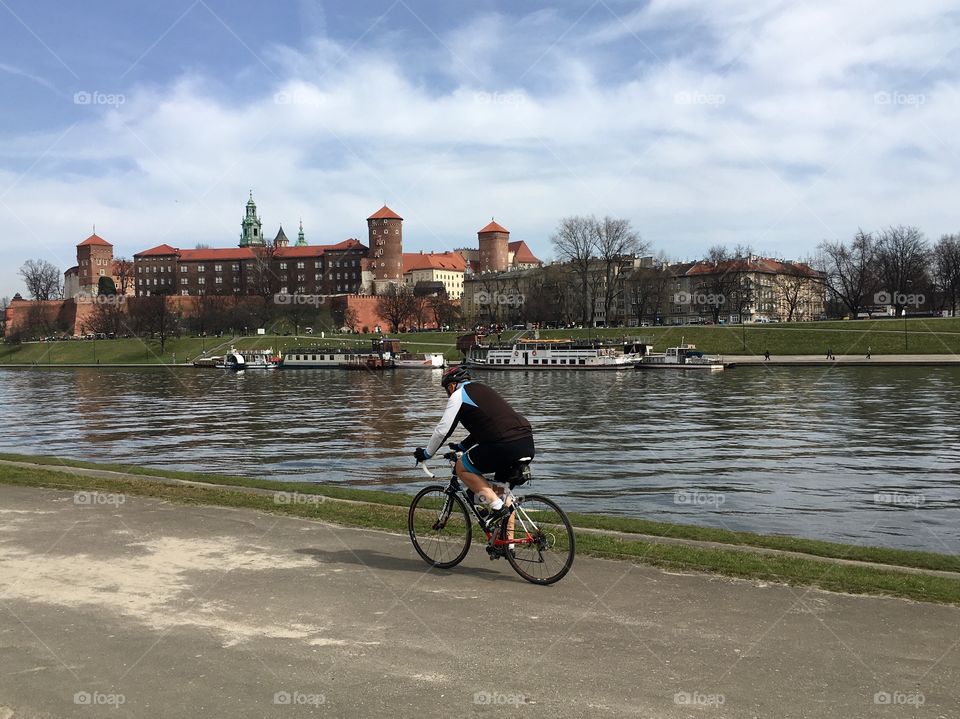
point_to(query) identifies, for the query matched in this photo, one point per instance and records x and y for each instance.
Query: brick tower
(385, 231)
(493, 240)
(94, 260)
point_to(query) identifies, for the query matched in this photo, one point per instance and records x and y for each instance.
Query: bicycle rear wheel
(439, 527)
(545, 546)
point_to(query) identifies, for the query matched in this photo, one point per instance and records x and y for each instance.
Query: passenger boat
(684, 357)
(237, 360)
(380, 356)
(568, 354)
(211, 361)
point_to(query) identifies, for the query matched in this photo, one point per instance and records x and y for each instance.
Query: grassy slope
(924, 336)
(388, 511)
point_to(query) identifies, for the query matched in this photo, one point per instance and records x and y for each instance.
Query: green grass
(923, 336)
(385, 510)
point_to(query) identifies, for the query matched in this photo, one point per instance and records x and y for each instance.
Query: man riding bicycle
(498, 436)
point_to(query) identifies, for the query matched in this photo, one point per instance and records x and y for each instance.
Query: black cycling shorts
(498, 456)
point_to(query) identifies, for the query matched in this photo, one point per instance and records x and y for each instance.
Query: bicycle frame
(519, 515)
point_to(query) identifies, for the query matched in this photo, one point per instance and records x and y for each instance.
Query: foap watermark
(711, 99)
(296, 698)
(84, 97)
(898, 698)
(899, 499)
(710, 299)
(296, 98)
(513, 299)
(97, 499)
(700, 699)
(106, 300)
(500, 98)
(99, 699)
(899, 98)
(900, 299)
(697, 498)
(282, 298)
(486, 698)
(297, 498)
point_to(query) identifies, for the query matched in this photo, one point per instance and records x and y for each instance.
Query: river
(862, 455)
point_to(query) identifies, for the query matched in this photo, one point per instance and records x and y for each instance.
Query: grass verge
(384, 510)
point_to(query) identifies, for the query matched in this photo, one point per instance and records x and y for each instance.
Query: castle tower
(385, 231)
(493, 241)
(252, 230)
(301, 240)
(94, 260)
(281, 239)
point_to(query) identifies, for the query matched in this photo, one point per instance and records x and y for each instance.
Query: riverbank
(923, 576)
(254, 615)
(926, 336)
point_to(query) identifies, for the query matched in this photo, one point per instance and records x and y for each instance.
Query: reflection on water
(787, 450)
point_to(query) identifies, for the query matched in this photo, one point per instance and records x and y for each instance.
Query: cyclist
(499, 436)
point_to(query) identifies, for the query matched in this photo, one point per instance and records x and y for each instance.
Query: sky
(764, 123)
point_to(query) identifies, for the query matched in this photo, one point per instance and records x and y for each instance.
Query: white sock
(496, 504)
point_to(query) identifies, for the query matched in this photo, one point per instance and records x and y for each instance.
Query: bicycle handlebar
(451, 456)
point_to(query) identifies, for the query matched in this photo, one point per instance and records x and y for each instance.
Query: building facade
(446, 268)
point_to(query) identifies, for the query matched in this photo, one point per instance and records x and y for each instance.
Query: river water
(862, 455)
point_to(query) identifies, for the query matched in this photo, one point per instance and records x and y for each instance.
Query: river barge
(557, 354)
(684, 357)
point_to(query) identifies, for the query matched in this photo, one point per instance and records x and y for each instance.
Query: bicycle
(536, 538)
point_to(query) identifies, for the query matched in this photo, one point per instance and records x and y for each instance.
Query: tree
(152, 315)
(945, 270)
(718, 285)
(648, 292)
(4, 303)
(574, 243)
(616, 246)
(445, 311)
(420, 310)
(902, 255)
(849, 271)
(123, 271)
(43, 279)
(792, 284)
(109, 315)
(106, 286)
(395, 306)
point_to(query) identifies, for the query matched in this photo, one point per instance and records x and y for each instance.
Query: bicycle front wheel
(439, 527)
(543, 548)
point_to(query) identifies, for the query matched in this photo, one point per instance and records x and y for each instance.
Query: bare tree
(793, 285)
(574, 243)
(109, 315)
(718, 286)
(152, 316)
(902, 260)
(123, 273)
(848, 271)
(648, 292)
(616, 245)
(395, 306)
(43, 279)
(444, 311)
(946, 271)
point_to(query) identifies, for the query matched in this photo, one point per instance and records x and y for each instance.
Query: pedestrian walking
(766, 356)
(830, 354)
(868, 353)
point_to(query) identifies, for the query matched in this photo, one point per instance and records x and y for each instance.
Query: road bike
(536, 538)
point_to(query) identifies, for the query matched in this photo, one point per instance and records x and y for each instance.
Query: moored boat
(569, 354)
(380, 356)
(684, 357)
(237, 360)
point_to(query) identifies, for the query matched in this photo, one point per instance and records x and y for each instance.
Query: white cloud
(778, 141)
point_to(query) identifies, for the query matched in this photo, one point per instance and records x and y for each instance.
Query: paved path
(844, 360)
(180, 611)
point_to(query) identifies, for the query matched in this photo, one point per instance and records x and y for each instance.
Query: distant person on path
(830, 354)
(766, 356)
(868, 353)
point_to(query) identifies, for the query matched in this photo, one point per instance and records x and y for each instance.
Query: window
(184, 292)
(235, 267)
(299, 265)
(184, 280)
(183, 268)
(219, 280)
(201, 280)
(218, 268)
(199, 268)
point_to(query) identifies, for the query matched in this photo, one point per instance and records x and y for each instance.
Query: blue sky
(764, 123)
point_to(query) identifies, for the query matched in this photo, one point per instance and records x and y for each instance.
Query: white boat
(684, 357)
(379, 356)
(237, 360)
(420, 360)
(568, 354)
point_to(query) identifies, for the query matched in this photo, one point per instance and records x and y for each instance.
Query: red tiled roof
(217, 253)
(493, 227)
(75, 270)
(317, 250)
(451, 261)
(95, 239)
(522, 254)
(765, 265)
(384, 213)
(159, 250)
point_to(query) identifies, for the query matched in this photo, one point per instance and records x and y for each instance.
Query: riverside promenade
(857, 360)
(138, 607)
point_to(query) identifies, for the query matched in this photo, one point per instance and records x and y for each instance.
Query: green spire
(251, 227)
(301, 242)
